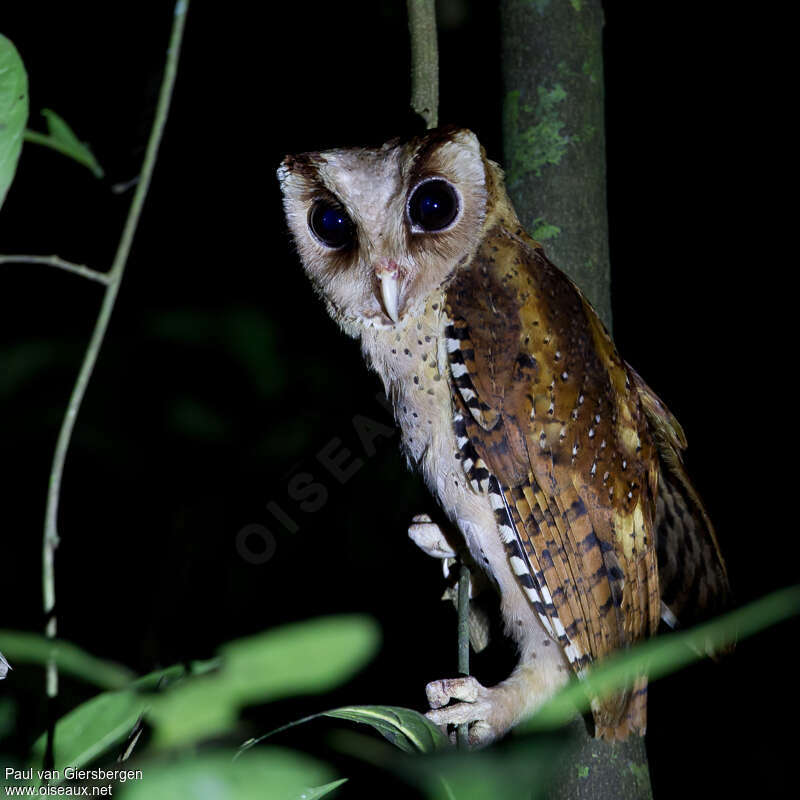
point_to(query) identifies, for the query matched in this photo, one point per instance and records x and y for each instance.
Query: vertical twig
(462, 732)
(424, 60)
(425, 102)
(114, 278)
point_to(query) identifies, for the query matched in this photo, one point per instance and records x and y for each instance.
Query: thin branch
(56, 261)
(425, 102)
(462, 731)
(424, 60)
(114, 278)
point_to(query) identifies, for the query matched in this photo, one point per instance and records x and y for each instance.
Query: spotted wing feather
(692, 572)
(546, 408)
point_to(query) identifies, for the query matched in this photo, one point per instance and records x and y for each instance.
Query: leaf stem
(113, 280)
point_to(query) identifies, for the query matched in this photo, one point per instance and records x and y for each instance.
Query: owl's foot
(487, 711)
(428, 536)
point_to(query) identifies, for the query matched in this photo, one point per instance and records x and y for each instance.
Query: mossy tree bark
(554, 142)
(553, 134)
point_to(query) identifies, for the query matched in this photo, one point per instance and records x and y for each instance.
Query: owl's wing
(692, 573)
(550, 425)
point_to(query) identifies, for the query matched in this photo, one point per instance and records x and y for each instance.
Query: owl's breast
(412, 361)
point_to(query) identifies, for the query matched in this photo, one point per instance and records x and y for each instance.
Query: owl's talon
(428, 536)
(440, 693)
(477, 707)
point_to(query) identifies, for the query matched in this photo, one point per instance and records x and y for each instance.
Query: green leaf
(663, 655)
(306, 657)
(21, 647)
(13, 112)
(321, 791)
(62, 139)
(301, 658)
(105, 721)
(163, 678)
(92, 729)
(268, 774)
(406, 729)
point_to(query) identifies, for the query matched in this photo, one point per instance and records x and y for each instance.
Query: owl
(559, 468)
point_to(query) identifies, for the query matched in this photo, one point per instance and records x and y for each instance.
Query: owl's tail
(692, 576)
(612, 726)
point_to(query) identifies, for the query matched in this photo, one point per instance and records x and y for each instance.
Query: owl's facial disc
(380, 231)
(390, 277)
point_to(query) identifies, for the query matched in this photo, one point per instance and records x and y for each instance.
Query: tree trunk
(599, 770)
(554, 143)
(553, 134)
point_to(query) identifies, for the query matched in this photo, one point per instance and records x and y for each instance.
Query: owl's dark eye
(433, 205)
(331, 224)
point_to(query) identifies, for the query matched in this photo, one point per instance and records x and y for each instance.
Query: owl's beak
(388, 276)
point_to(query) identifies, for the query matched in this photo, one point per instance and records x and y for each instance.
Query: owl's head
(379, 229)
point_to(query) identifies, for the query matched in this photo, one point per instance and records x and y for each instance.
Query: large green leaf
(268, 774)
(406, 729)
(61, 138)
(92, 729)
(662, 655)
(163, 678)
(24, 647)
(305, 657)
(13, 112)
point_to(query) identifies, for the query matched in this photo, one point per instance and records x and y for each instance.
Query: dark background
(222, 377)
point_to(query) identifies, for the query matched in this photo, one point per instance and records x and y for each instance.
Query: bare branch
(113, 280)
(56, 261)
